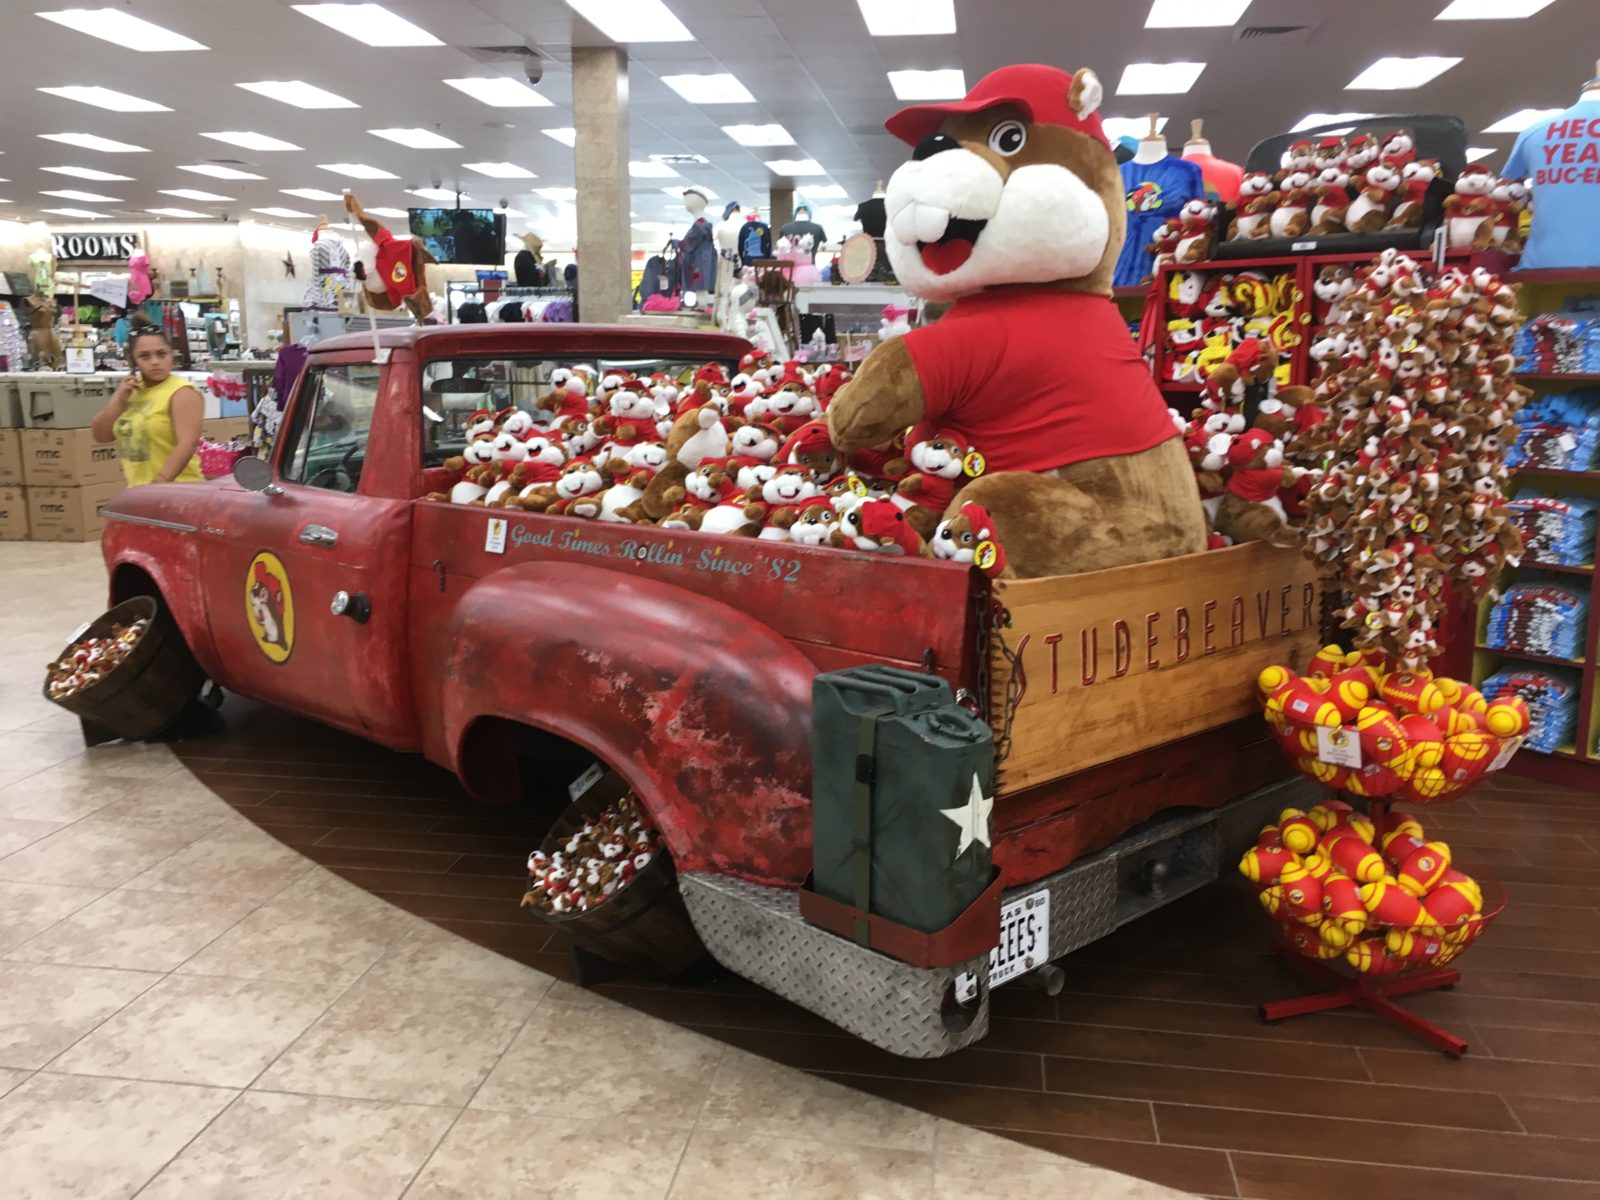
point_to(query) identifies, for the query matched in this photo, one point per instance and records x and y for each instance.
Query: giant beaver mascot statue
(1012, 206)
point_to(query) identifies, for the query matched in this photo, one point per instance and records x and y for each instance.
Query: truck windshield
(455, 388)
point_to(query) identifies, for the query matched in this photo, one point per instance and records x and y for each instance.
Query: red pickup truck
(519, 650)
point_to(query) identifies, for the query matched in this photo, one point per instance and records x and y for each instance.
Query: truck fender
(704, 711)
(171, 562)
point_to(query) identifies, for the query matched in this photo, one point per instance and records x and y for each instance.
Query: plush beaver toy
(1012, 206)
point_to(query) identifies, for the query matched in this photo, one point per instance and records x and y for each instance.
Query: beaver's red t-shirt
(394, 265)
(1034, 379)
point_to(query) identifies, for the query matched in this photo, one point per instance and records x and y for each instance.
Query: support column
(781, 198)
(605, 240)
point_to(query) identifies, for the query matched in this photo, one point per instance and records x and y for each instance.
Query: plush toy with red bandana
(969, 537)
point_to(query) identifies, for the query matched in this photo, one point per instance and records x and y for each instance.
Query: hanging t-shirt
(1562, 157)
(1222, 178)
(1155, 191)
(994, 375)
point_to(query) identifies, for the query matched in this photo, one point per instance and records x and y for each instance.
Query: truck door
(305, 582)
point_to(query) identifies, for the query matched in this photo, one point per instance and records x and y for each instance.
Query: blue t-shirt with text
(1562, 158)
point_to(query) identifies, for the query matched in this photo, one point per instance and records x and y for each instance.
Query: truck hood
(176, 503)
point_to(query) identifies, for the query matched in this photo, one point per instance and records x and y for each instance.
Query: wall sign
(87, 247)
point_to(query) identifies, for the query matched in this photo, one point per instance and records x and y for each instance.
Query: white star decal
(972, 819)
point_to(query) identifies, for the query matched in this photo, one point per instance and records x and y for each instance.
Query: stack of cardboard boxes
(53, 475)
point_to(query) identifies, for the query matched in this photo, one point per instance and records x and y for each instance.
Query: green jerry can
(903, 785)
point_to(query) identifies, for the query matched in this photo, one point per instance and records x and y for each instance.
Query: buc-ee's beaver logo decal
(269, 606)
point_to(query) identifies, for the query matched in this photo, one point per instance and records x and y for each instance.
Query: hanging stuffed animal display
(393, 270)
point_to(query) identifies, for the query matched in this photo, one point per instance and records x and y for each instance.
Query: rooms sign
(93, 247)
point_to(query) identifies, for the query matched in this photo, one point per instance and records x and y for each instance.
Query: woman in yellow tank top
(154, 416)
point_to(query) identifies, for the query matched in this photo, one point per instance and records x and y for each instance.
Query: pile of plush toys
(1361, 725)
(1363, 186)
(587, 868)
(1385, 901)
(1211, 313)
(86, 663)
(748, 456)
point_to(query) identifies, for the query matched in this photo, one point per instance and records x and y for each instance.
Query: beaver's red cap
(1043, 93)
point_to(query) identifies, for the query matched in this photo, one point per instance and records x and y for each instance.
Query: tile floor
(190, 1008)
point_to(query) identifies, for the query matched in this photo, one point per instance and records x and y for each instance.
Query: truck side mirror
(254, 475)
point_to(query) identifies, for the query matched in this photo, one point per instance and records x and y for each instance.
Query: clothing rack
(457, 289)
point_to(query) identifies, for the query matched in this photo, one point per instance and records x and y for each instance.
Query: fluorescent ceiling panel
(312, 194)
(122, 29)
(795, 166)
(298, 93)
(651, 170)
(1194, 14)
(90, 197)
(759, 135)
(357, 170)
(1134, 127)
(908, 18)
(219, 172)
(84, 213)
(388, 212)
(500, 170)
(556, 193)
(416, 139)
(439, 193)
(88, 173)
(632, 20)
(1492, 10)
(567, 136)
(498, 91)
(281, 212)
(1396, 74)
(1474, 153)
(709, 89)
(187, 214)
(1314, 120)
(823, 191)
(106, 98)
(193, 194)
(947, 83)
(1158, 79)
(91, 141)
(250, 141)
(1518, 121)
(371, 24)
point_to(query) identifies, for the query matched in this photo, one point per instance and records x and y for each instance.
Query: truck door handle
(319, 535)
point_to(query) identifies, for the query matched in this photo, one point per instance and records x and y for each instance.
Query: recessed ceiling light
(948, 83)
(281, 212)
(1194, 14)
(632, 20)
(709, 89)
(416, 139)
(85, 213)
(312, 194)
(500, 170)
(439, 193)
(371, 24)
(1518, 121)
(122, 29)
(795, 166)
(1134, 127)
(90, 141)
(250, 141)
(759, 135)
(567, 136)
(1492, 10)
(500, 92)
(908, 18)
(1317, 120)
(651, 170)
(219, 172)
(185, 213)
(388, 212)
(679, 191)
(357, 170)
(88, 173)
(1474, 153)
(192, 194)
(106, 98)
(1393, 74)
(1158, 79)
(823, 191)
(91, 197)
(298, 93)
(556, 193)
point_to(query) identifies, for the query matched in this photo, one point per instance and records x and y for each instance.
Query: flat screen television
(461, 235)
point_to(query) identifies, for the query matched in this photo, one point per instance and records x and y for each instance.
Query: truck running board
(757, 932)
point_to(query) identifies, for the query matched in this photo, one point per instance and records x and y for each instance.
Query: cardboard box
(218, 429)
(68, 458)
(10, 458)
(13, 514)
(68, 514)
(57, 401)
(10, 402)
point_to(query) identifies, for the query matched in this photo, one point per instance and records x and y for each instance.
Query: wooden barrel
(145, 693)
(644, 925)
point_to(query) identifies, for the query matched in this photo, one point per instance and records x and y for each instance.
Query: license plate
(1024, 937)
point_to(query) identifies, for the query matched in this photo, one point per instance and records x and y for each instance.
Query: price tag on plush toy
(985, 555)
(1338, 747)
(858, 485)
(973, 464)
(1506, 751)
(1419, 523)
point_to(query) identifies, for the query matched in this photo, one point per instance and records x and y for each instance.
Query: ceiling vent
(1282, 34)
(680, 160)
(228, 162)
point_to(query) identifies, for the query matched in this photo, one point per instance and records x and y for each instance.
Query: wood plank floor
(1152, 1061)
